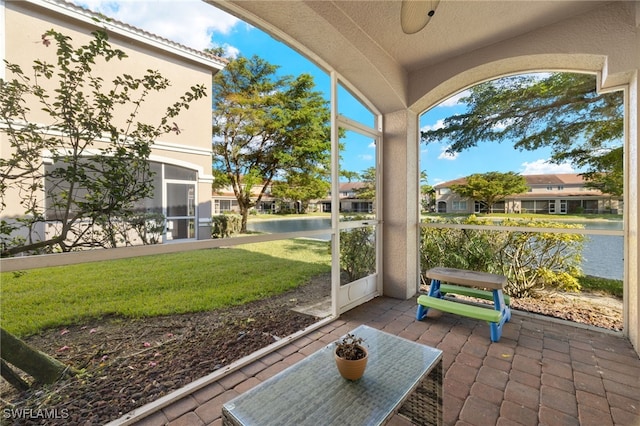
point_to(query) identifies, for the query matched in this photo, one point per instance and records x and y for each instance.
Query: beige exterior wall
(400, 207)
(24, 24)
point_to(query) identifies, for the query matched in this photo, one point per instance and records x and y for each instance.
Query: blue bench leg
(422, 312)
(499, 305)
(434, 291)
(496, 331)
(496, 327)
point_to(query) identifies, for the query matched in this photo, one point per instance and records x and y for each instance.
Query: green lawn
(601, 285)
(146, 286)
(203, 280)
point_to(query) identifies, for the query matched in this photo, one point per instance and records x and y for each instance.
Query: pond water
(602, 254)
(289, 225)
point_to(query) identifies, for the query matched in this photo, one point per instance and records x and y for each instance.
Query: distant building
(224, 200)
(349, 200)
(550, 194)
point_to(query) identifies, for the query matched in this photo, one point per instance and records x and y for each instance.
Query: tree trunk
(12, 377)
(39, 365)
(245, 217)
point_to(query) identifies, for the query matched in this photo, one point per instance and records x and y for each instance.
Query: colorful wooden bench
(468, 283)
(471, 292)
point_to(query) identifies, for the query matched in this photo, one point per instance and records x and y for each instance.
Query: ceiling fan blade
(416, 14)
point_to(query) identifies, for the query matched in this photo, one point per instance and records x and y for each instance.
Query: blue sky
(199, 25)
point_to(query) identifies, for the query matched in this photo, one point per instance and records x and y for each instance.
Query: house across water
(550, 193)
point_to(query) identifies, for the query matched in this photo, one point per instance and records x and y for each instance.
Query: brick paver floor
(542, 372)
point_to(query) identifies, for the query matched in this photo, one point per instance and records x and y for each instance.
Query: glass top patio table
(312, 392)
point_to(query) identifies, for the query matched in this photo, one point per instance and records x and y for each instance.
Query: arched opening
(556, 198)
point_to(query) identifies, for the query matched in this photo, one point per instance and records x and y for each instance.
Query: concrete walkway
(542, 372)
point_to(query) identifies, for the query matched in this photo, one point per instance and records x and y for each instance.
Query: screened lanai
(400, 74)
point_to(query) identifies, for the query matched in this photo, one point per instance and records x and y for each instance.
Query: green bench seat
(477, 284)
(471, 292)
(463, 309)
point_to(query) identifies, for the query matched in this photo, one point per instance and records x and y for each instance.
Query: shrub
(148, 226)
(535, 260)
(225, 225)
(530, 260)
(357, 251)
(458, 248)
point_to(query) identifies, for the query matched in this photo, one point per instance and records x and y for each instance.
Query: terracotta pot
(352, 369)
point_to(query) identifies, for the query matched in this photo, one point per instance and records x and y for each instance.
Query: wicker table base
(402, 377)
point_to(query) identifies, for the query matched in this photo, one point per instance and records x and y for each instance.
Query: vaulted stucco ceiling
(364, 42)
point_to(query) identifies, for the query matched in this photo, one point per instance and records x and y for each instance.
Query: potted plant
(351, 357)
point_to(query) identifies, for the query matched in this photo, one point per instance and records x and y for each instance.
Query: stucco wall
(400, 204)
(24, 28)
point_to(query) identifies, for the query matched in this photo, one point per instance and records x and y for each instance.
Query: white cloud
(541, 167)
(438, 125)
(501, 125)
(444, 155)
(372, 145)
(188, 22)
(231, 51)
(365, 157)
(455, 99)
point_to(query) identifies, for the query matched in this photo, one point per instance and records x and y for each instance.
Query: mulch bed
(126, 363)
(584, 308)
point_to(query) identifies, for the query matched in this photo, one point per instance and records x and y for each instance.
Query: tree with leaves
(349, 175)
(368, 190)
(558, 110)
(490, 188)
(266, 127)
(302, 188)
(427, 193)
(96, 168)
